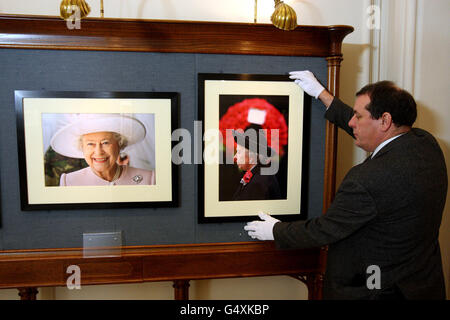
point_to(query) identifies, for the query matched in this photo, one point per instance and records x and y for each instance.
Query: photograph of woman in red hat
(260, 137)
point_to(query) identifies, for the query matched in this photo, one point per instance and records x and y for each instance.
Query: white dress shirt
(381, 145)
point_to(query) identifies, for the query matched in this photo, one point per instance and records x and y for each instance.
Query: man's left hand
(261, 230)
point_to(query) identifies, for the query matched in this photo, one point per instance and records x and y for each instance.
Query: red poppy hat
(256, 111)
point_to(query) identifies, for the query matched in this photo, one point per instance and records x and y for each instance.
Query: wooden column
(313, 283)
(331, 136)
(181, 289)
(28, 293)
(334, 60)
(337, 34)
(334, 64)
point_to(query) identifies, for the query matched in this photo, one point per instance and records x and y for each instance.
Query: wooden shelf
(170, 36)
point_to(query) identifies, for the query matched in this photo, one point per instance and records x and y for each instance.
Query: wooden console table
(27, 270)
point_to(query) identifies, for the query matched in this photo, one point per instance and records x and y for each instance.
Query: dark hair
(385, 96)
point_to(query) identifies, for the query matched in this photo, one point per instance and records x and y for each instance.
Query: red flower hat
(236, 118)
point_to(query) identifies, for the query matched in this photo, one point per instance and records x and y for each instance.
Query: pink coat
(129, 176)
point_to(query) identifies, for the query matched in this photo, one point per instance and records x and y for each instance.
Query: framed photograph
(96, 149)
(253, 147)
(0, 205)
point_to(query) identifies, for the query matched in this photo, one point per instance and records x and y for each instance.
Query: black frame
(21, 94)
(303, 198)
(0, 201)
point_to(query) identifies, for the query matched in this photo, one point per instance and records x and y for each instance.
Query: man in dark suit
(387, 211)
(252, 155)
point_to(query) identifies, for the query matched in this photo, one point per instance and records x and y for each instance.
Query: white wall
(369, 55)
(414, 53)
(431, 90)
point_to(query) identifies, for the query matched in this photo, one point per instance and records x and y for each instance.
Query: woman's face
(242, 159)
(101, 151)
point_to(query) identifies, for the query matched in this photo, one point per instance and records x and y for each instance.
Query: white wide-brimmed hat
(66, 140)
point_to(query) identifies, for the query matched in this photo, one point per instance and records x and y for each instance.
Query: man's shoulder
(420, 133)
(400, 159)
(418, 140)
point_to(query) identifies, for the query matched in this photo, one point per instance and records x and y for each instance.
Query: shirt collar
(381, 145)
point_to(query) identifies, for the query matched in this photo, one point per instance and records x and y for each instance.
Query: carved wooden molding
(170, 36)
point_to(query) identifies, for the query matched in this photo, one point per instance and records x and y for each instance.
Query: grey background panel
(56, 70)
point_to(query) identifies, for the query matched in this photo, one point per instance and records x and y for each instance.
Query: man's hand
(261, 230)
(308, 82)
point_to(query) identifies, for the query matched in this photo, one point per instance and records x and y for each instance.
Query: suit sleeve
(352, 208)
(340, 114)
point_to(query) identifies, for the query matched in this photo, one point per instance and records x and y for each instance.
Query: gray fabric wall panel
(55, 70)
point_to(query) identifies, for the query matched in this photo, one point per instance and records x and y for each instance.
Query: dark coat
(387, 212)
(260, 187)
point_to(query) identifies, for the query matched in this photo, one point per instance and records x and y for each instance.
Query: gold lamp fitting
(66, 8)
(284, 17)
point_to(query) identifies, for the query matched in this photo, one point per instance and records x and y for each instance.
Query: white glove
(308, 82)
(261, 230)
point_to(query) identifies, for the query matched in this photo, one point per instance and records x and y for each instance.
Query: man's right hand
(308, 82)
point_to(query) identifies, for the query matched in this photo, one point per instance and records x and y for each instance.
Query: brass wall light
(66, 11)
(66, 8)
(284, 17)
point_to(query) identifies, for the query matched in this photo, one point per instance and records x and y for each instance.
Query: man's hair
(385, 96)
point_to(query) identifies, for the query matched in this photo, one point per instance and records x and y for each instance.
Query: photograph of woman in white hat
(105, 142)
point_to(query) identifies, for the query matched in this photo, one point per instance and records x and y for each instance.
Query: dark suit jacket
(260, 187)
(387, 212)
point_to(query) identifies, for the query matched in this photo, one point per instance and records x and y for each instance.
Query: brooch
(137, 179)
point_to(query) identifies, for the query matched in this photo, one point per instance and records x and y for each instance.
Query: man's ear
(386, 121)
